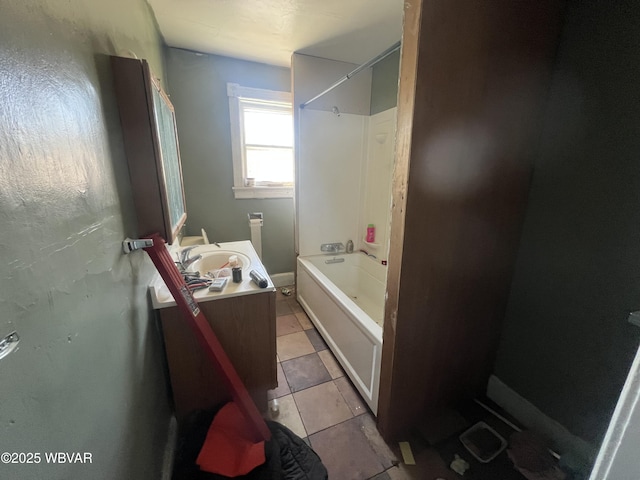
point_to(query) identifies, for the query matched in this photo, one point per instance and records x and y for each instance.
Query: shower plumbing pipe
(370, 63)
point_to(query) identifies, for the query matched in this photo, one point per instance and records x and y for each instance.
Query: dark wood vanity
(245, 326)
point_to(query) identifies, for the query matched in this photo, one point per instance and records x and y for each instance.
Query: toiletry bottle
(236, 269)
(350, 246)
(258, 279)
(371, 233)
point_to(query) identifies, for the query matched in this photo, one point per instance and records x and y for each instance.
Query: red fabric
(228, 449)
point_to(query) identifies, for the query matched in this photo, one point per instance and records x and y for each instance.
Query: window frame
(236, 94)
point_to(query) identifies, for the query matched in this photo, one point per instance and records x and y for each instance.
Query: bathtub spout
(334, 260)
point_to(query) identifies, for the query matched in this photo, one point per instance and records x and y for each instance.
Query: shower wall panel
(376, 191)
(331, 150)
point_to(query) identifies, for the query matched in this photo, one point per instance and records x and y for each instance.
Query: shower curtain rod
(370, 63)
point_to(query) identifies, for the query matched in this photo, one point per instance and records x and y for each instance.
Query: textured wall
(87, 376)
(199, 94)
(313, 75)
(566, 345)
(384, 83)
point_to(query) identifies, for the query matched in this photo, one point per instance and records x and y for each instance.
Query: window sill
(263, 192)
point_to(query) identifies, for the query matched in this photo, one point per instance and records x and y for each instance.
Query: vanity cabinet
(245, 326)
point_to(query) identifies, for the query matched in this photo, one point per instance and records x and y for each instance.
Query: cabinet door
(245, 326)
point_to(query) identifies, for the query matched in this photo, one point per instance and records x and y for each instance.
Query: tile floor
(319, 403)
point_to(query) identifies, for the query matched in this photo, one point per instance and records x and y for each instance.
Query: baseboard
(564, 442)
(282, 279)
(170, 450)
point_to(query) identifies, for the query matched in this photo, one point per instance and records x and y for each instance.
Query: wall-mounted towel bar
(8, 344)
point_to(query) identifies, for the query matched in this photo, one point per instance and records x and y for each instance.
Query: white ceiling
(269, 31)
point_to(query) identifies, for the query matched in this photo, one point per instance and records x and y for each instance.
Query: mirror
(151, 145)
(169, 161)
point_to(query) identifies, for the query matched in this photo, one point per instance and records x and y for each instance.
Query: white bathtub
(345, 301)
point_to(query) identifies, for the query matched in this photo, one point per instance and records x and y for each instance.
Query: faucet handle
(184, 253)
(332, 247)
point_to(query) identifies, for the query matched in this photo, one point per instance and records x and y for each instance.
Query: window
(262, 142)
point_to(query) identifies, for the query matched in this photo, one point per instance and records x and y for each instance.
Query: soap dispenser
(350, 246)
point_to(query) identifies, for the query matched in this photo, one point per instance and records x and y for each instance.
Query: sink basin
(212, 257)
(212, 261)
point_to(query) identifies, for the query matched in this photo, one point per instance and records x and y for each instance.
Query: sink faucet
(186, 260)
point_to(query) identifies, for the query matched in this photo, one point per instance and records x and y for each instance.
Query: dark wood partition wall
(473, 84)
(388, 406)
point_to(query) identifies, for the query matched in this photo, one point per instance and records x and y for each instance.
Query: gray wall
(87, 376)
(384, 83)
(566, 345)
(199, 94)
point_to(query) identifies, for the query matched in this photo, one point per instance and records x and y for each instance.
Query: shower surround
(344, 170)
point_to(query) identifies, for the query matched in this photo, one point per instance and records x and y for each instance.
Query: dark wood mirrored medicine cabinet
(151, 146)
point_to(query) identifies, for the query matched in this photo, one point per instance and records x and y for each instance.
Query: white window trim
(236, 92)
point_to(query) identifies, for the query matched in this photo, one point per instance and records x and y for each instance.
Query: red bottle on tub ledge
(371, 233)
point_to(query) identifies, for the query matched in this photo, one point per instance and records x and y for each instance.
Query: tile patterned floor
(319, 403)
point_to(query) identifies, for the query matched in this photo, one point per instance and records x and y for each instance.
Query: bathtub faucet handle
(332, 247)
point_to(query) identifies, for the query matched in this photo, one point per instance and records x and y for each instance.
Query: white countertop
(162, 298)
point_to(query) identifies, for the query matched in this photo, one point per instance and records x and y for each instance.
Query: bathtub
(344, 298)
